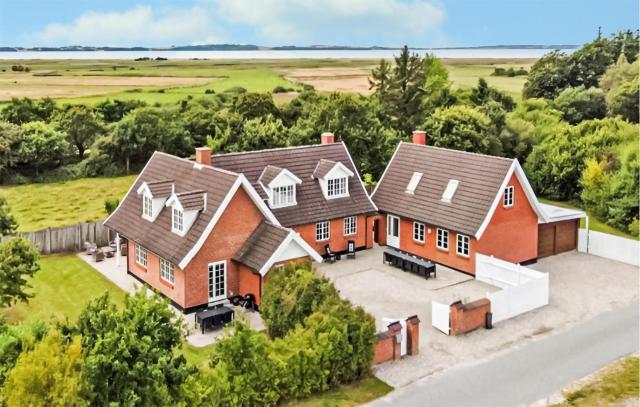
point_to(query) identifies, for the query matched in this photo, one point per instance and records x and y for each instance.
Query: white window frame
(462, 245)
(284, 195)
(337, 187)
(177, 221)
(141, 256)
(323, 231)
(350, 225)
(167, 271)
(508, 199)
(418, 232)
(147, 206)
(442, 239)
(212, 284)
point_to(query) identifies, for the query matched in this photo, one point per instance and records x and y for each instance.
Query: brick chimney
(327, 138)
(203, 155)
(419, 137)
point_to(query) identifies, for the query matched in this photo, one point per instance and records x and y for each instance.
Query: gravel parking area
(581, 286)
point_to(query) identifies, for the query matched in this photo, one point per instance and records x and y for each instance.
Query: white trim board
(291, 237)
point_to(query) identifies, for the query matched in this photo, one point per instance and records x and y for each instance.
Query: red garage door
(557, 237)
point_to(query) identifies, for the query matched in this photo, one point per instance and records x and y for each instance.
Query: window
(450, 190)
(284, 196)
(178, 221)
(350, 225)
(322, 231)
(508, 196)
(217, 281)
(413, 182)
(166, 271)
(141, 255)
(442, 239)
(418, 232)
(147, 206)
(463, 245)
(336, 187)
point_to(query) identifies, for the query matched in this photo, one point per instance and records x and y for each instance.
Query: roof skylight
(413, 182)
(450, 190)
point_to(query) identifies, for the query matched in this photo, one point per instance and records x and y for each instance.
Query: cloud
(337, 21)
(141, 25)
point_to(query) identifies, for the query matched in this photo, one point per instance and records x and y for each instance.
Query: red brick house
(199, 234)
(447, 205)
(315, 190)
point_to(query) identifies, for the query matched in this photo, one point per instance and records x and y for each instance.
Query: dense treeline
(577, 108)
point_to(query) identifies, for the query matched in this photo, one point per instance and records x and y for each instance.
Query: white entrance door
(393, 231)
(403, 332)
(217, 281)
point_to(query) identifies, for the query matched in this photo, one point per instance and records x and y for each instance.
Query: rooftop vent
(450, 190)
(413, 183)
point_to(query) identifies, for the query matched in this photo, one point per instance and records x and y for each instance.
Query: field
(90, 82)
(37, 206)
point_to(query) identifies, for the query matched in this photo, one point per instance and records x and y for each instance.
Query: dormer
(280, 186)
(185, 208)
(334, 178)
(154, 195)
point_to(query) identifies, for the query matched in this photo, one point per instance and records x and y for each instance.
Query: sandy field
(349, 80)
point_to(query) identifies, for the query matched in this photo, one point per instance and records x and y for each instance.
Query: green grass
(38, 206)
(465, 74)
(594, 223)
(197, 356)
(613, 386)
(63, 286)
(354, 394)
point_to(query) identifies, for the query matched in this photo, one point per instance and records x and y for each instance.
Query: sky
(418, 23)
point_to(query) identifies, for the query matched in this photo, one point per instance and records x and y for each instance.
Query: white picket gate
(440, 317)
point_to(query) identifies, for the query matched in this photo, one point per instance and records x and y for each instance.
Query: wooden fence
(68, 238)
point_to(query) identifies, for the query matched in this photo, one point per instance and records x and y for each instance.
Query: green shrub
(279, 89)
(15, 339)
(110, 205)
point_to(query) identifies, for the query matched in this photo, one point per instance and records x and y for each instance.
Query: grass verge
(614, 385)
(38, 206)
(347, 395)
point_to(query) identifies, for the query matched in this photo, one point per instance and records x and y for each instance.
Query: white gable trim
(358, 174)
(284, 173)
(386, 169)
(257, 200)
(338, 167)
(531, 196)
(291, 238)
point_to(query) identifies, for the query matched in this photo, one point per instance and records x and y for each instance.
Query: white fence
(609, 246)
(440, 316)
(523, 289)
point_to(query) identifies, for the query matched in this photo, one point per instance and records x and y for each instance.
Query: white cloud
(141, 25)
(337, 21)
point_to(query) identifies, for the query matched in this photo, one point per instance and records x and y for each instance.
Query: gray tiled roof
(192, 200)
(323, 167)
(302, 161)
(268, 174)
(261, 245)
(161, 189)
(157, 236)
(480, 177)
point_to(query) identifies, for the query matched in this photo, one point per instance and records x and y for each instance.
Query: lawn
(616, 385)
(61, 289)
(594, 223)
(363, 391)
(38, 206)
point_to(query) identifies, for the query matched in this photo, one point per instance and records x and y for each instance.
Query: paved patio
(118, 275)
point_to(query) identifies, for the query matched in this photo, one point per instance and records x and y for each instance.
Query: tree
(18, 262)
(8, 224)
(406, 90)
(9, 138)
(41, 146)
(483, 94)
(380, 80)
(17, 339)
(623, 100)
(50, 375)
(113, 111)
(255, 105)
(82, 126)
(547, 77)
(259, 133)
(579, 104)
(25, 110)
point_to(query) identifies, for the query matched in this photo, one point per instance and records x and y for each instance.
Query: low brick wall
(469, 317)
(388, 342)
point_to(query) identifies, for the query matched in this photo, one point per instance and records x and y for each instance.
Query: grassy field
(71, 81)
(37, 206)
(616, 385)
(61, 289)
(594, 223)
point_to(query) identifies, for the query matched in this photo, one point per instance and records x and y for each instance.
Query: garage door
(557, 237)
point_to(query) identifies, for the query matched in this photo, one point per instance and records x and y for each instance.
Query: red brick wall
(337, 240)
(383, 351)
(235, 225)
(151, 275)
(469, 317)
(249, 282)
(512, 234)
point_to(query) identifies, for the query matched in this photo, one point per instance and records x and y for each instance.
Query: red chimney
(203, 155)
(327, 138)
(419, 137)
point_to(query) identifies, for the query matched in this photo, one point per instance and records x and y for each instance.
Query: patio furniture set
(330, 256)
(408, 262)
(100, 253)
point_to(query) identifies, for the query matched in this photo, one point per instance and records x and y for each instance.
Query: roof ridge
(460, 151)
(195, 191)
(266, 222)
(192, 162)
(275, 149)
(159, 181)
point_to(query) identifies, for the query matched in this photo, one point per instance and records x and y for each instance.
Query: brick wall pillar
(395, 330)
(468, 317)
(413, 335)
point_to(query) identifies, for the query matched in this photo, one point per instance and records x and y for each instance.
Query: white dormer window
(178, 221)
(147, 206)
(154, 195)
(337, 187)
(450, 190)
(283, 196)
(413, 183)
